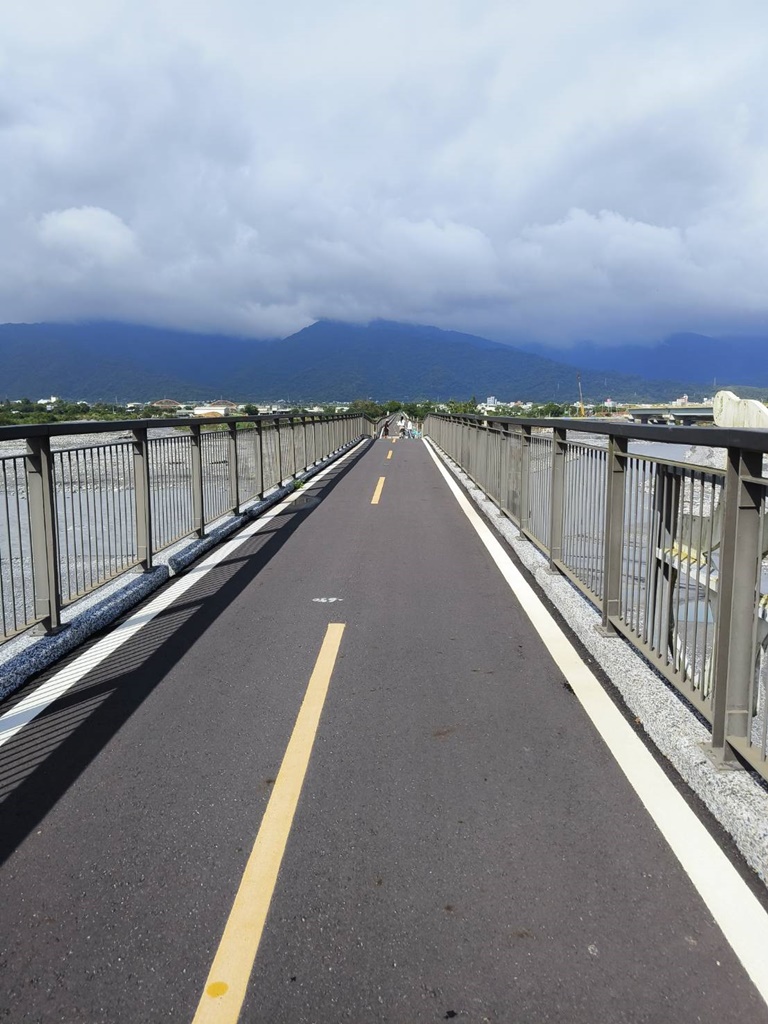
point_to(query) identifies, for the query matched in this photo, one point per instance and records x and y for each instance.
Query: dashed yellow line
(377, 492)
(227, 980)
(389, 454)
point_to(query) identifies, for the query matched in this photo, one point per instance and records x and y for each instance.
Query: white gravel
(736, 798)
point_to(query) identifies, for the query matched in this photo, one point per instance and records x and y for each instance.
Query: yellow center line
(227, 980)
(377, 492)
(389, 454)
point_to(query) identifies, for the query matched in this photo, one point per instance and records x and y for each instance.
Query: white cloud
(87, 235)
(551, 170)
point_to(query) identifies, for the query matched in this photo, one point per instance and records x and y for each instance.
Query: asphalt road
(464, 844)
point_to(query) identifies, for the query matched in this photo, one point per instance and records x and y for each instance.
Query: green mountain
(104, 361)
(326, 361)
(384, 360)
(711, 362)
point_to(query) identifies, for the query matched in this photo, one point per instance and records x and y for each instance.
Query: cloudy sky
(537, 169)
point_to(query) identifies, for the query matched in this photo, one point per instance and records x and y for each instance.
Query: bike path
(464, 844)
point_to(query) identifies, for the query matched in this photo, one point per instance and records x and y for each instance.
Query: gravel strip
(736, 798)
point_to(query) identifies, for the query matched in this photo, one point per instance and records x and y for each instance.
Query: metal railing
(673, 554)
(73, 517)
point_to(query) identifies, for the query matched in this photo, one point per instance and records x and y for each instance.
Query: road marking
(389, 454)
(735, 909)
(227, 980)
(35, 703)
(377, 492)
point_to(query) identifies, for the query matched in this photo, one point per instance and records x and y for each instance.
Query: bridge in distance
(348, 766)
(671, 413)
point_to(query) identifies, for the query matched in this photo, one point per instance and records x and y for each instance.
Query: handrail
(748, 438)
(25, 430)
(672, 554)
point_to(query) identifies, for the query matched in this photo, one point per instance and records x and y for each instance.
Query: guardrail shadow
(40, 763)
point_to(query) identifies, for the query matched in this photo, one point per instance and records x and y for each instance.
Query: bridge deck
(464, 844)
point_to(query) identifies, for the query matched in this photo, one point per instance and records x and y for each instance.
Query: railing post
(292, 421)
(613, 539)
(279, 453)
(142, 502)
(304, 442)
(557, 494)
(487, 442)
(525, 479)
(482, 443)
(260, 434)
(504, 467)
(198, 510)
(234, 469)
(739, 572)
(42, 520)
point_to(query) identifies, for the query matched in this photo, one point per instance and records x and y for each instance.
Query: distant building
(220, 407)
(167, 404)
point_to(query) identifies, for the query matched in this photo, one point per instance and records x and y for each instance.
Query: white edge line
(736, 910)
(14, 720)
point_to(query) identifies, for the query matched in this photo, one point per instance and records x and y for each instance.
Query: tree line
(61, 411)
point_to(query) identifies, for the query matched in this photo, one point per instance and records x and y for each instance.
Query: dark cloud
(553, 171)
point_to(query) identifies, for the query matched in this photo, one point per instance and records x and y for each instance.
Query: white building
(220, 407)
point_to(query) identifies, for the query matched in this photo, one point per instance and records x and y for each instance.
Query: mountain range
(336, 361)
(711, 362)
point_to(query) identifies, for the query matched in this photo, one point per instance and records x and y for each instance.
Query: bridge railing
(74, 516)
(673, 554)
